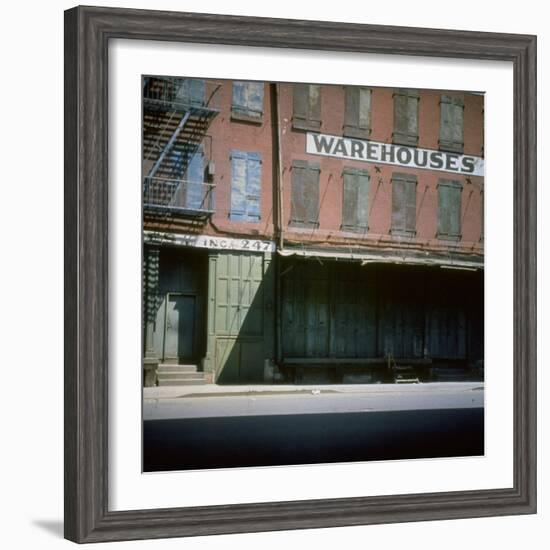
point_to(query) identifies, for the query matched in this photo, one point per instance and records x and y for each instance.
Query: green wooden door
(238, 317)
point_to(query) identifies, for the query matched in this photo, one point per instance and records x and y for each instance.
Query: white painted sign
(209, 241)
(387, 153)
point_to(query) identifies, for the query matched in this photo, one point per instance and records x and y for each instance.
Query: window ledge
(353, 132)
(446, 237)
(243, 117)
(300, 124)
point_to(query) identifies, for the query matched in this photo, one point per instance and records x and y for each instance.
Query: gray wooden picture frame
(87, 34)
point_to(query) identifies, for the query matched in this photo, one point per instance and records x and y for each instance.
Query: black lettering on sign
(436, 160)
(357, 148)
(468, 165)
(404, 155)
(323, 144)
(340, 148)
(372, 151)
(387, 151)
(246, 244)
(451, 161)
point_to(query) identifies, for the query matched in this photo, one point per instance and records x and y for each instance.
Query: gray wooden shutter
(449, 207)
(451, 124)
(253, 186)
(305, 194)
(306, 113)
(357, 112)
(314, 106)
(405, 117)
(300, 101)
(355, 199)
(403, 204)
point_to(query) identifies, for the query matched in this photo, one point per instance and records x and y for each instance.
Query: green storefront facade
(212, 309)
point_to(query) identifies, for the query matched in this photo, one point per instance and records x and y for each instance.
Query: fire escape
(176, 118)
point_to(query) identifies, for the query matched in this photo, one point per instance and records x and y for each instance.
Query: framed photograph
(300, 264)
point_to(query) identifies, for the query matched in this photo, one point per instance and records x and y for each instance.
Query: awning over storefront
(446, 261)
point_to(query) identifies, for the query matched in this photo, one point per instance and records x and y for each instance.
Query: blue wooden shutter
(238, 185)
(253, 186)
(191, 91)
(255, 99)
(195, 180)
(248, 99)
(449, 207)
(246, 179)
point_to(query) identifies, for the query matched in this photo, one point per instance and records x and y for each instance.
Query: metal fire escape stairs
(180, 124)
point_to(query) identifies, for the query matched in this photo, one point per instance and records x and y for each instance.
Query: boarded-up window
(449, 199)
(248, 100)
(190, 91)
(405, 117)
(358, 112)
(451, 124)
(355, 205)
(306, 107)
(403, 219)
(304, 211)
(246, 179)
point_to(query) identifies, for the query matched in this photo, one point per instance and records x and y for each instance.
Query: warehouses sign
(386, 153)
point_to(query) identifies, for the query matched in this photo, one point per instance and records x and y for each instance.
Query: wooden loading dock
(341, 321)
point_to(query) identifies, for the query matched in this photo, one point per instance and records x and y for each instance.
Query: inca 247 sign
(386, 153)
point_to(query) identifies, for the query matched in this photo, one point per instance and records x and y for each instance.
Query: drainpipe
(277, 158)
(278, 200)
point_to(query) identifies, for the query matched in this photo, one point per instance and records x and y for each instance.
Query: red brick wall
(228, 134)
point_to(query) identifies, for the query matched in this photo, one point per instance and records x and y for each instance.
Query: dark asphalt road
(201, 443)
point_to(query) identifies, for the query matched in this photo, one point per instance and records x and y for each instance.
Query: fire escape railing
(166, 188)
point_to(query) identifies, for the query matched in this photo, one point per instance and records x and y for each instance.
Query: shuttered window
(451, 124)
(449, 206)
(403, 219)
(246, 179)
(355, 204)
(190, 91)
(357, 121)
(306, 107)
(248, 100)
(194, 181)
(304, 211)
(405, 117)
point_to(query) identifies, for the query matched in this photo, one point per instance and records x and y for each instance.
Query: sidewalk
(215, 390)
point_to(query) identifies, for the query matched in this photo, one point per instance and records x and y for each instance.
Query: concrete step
(164, 367)
(179, 375)
(178, 382)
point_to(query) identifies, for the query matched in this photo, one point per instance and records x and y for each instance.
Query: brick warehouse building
(311, 233)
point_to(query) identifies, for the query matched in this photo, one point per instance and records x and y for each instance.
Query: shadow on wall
(242, 317)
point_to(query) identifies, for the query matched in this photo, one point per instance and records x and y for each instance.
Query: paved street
(217, 427)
